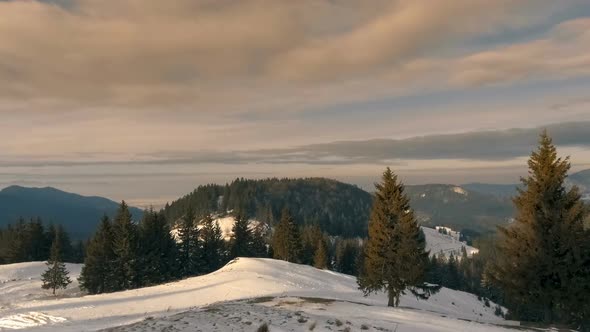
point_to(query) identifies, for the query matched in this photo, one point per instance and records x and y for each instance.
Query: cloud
(255, 55)
(481, 148)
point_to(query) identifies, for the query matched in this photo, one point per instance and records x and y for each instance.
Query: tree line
(27, 241)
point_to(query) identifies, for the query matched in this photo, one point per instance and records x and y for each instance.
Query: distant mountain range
(338, 207)
(78, 214)
(580, 179)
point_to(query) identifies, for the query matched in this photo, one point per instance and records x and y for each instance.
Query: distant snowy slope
(241, 279)
(439, 243)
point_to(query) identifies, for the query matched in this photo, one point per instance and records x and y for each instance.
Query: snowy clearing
(281, 285)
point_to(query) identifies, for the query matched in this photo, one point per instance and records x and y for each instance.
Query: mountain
(459, 208)
(498, 190)
(343, 209)
(78, 214)
(580, 179)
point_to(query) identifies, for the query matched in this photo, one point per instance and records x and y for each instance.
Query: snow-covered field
(439, 243)
(239, 297)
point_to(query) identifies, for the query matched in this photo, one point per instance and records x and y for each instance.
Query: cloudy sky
(145, 99)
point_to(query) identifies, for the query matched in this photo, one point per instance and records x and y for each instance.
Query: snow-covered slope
(270, 281)
(439, 243)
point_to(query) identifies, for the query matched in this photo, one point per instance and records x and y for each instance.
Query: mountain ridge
(78, 214)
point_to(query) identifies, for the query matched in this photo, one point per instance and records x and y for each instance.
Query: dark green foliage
(29, 241)
(544, 256)
(241, 241)
(347, 256)
(56, 275)
(213, 253)
(340, 209)
(286, 240)
(395, 255)
(157, 250)
(189, 257)
(125, 247)
(98, 272)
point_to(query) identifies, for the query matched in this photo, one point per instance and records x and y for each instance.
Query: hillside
(78, 214)
(340, 208)
(239, 297)
(343, 209)
(436, 242)
(458, 207)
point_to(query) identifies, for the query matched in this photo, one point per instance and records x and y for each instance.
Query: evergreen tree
(56, 275)
(320, 258)
(212, 245)
(286, 239)
(36, 237)
(188, 233)
(544, 258)
(451, 279)
(347, 253)
(260, 234)
(125, 248)
(98, 272)
(157, 250)
(65, 244)
(241, 238)
(17, 248)
(395, 255)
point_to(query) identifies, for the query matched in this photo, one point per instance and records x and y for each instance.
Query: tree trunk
(53, 290)
(391, 295)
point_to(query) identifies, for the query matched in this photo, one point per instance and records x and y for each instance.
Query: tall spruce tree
(56, 275)
(157, 250)
(125, 246)
(321, 256)
(212, 245)
(98, 272)
(286, 239)
(189, 259)
(241, 238)
(543, 263)
(395, 254)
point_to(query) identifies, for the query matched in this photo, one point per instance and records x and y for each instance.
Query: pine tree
(98, 272)
(241, 238)
(125, 249)
(544, 257)
(212, 245)
(286, 239)
(188, 233)
(56, 275)
(260, 234)
(320, 258)
(347, 253)
(395, 255)
(157, 250)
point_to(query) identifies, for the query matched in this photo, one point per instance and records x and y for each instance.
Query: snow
(445, 244)
(237, 297)
(460, 191)
(225, 224)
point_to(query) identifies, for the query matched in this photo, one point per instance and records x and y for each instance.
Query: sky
(144, 100)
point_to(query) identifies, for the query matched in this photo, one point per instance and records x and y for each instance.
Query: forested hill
(343, 209)
(340, 208)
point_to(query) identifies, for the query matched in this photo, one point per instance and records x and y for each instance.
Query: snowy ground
(439, 243)
(238, 297)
